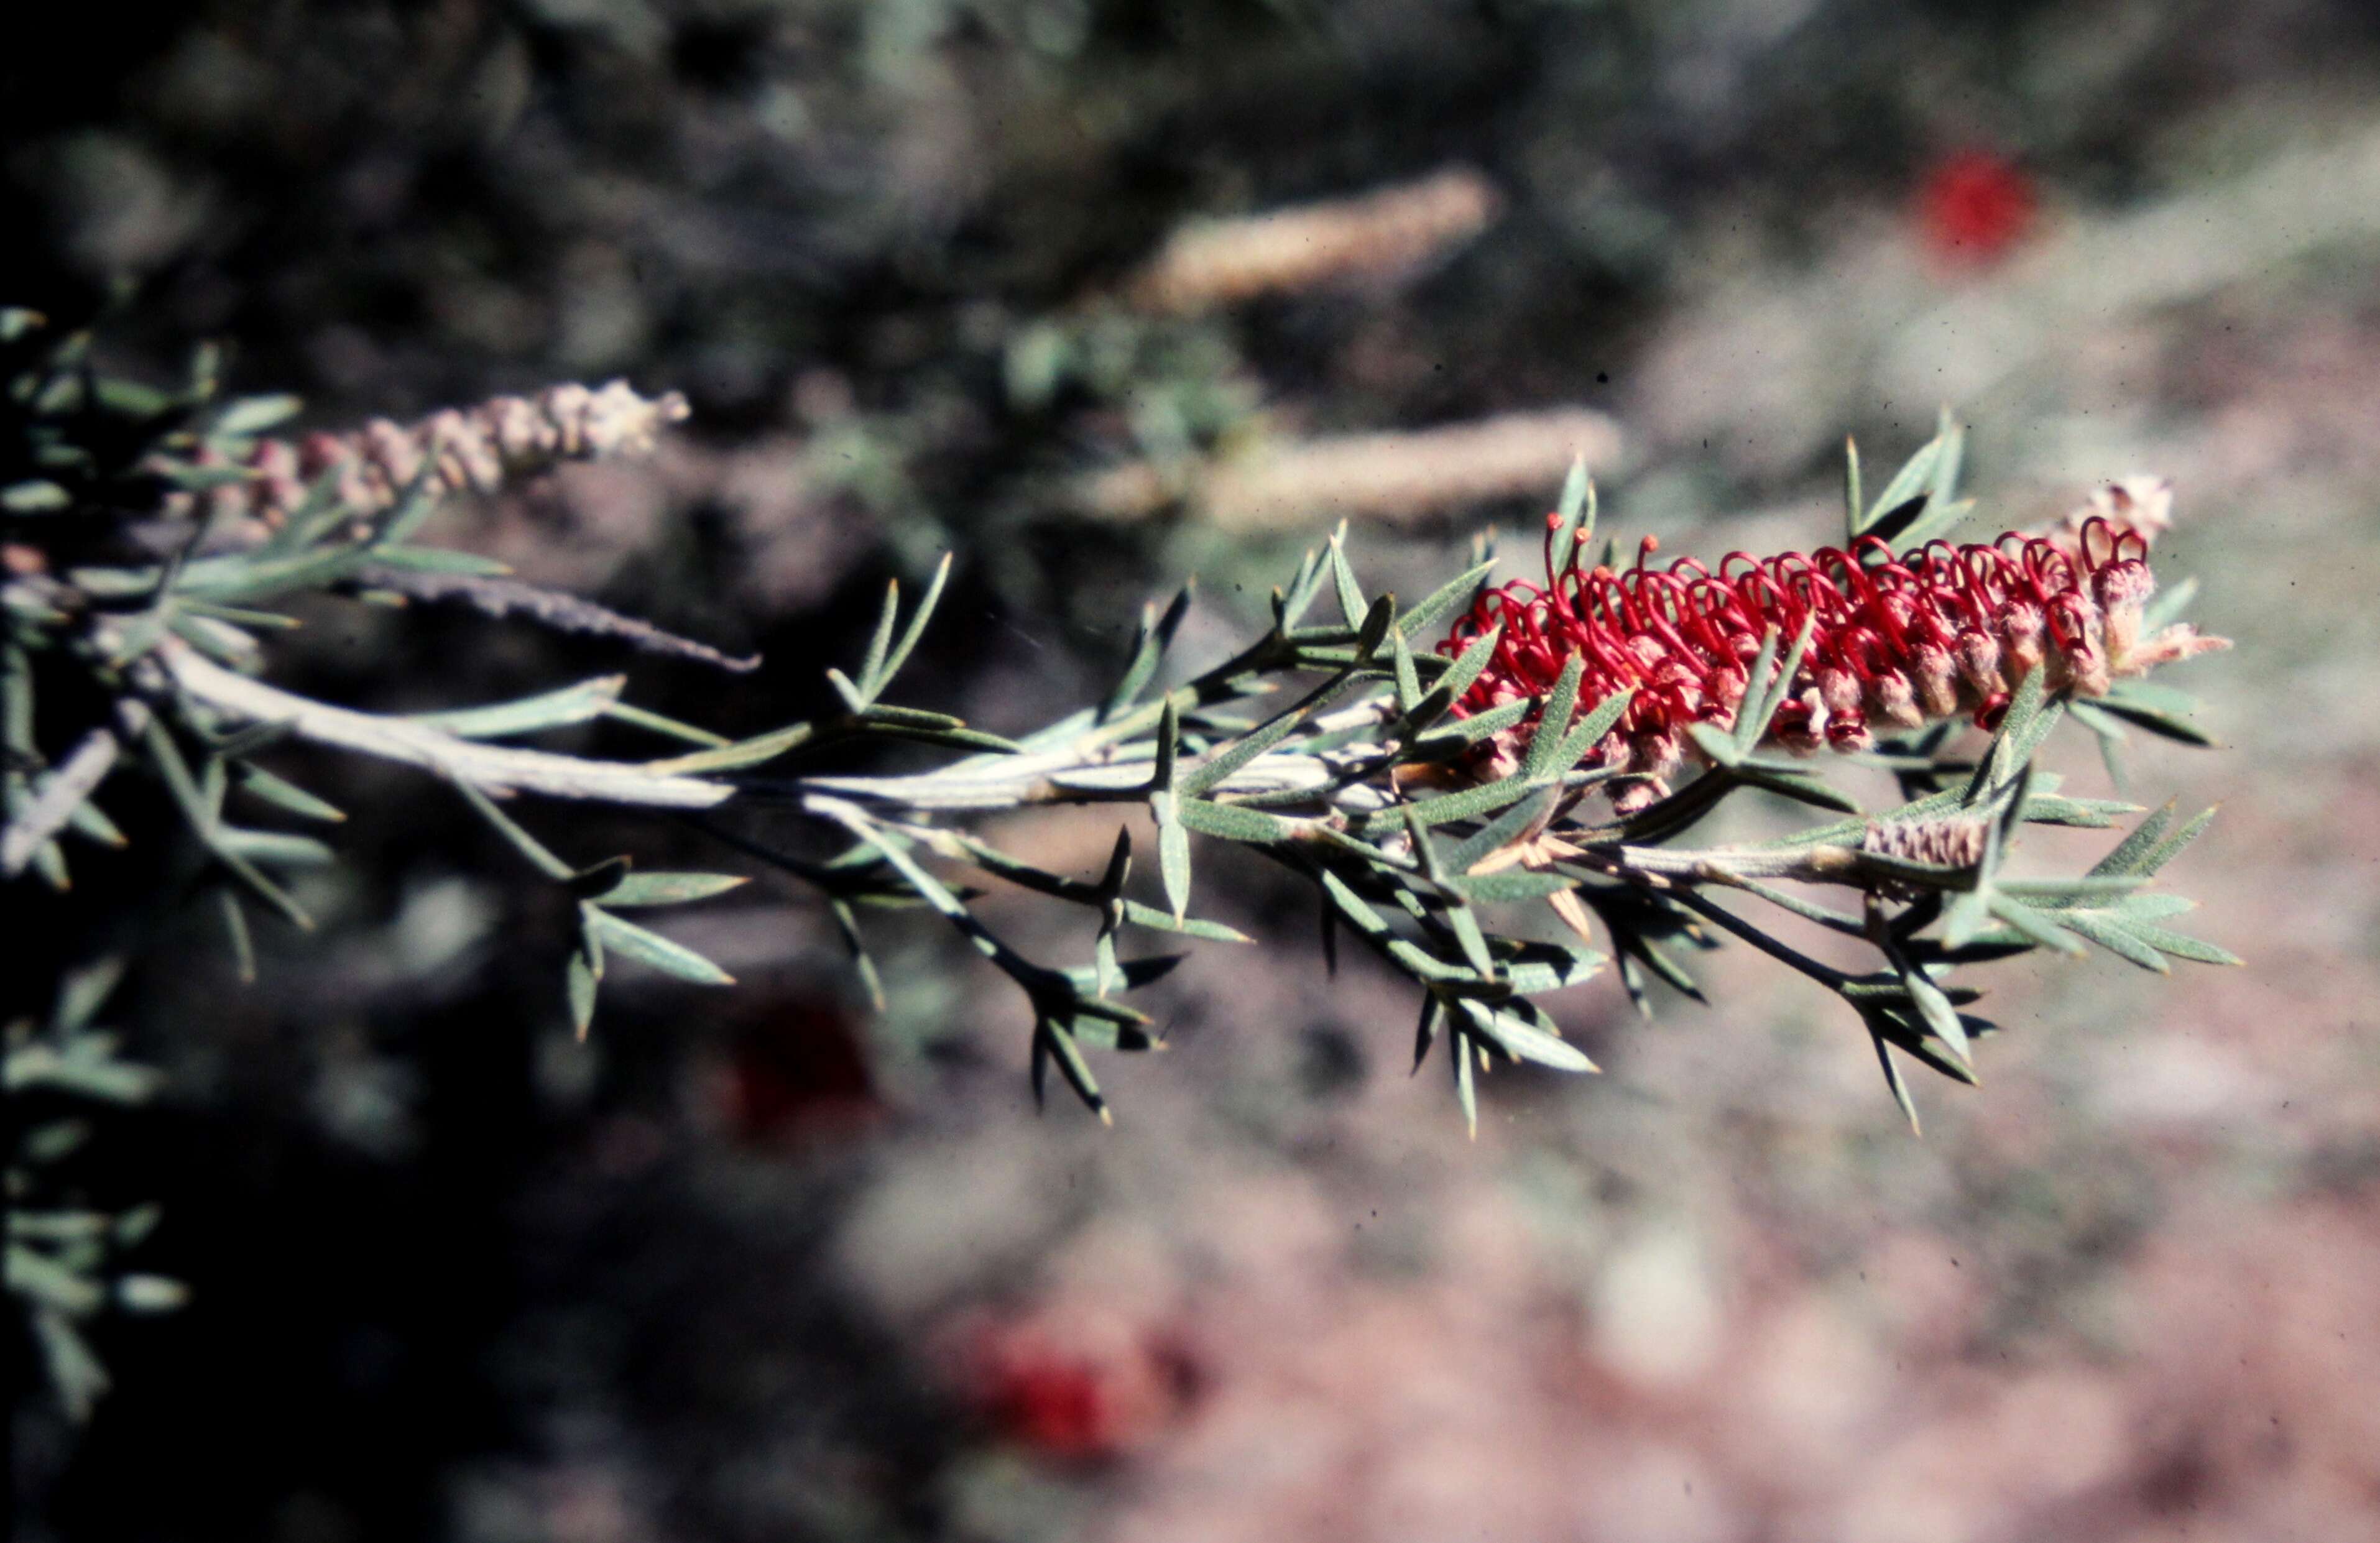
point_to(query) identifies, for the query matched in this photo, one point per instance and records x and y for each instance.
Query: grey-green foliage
(66, 1255)
(1330, 748)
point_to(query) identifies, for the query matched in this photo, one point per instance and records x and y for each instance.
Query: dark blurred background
(1099, 294)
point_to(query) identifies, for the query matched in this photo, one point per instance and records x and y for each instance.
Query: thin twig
(492, 769)
(55, 799)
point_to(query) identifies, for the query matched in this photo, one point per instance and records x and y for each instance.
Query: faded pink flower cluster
(478, 448)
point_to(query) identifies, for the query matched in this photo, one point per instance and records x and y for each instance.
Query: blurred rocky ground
(1102, 295)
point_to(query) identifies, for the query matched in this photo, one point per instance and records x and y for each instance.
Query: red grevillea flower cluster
(1895, 641)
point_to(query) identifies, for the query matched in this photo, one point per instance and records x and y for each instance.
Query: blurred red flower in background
(1974, 206)
(1077, 1386)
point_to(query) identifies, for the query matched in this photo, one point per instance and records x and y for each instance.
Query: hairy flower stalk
(1895, 642)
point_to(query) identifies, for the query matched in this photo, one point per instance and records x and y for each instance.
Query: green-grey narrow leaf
(1925, 1047)
(526, 844)
(1524, 815)
(1119, 869)
(1375, 629)
(879, 643)
(736, 756)
(2170, 847)
(581, 703)
(2089, 814)
(2008, 747)
(853, 699)
(1106, 1035)
(438, 559)
(589, 883)
(1106, 974)
(1426, 967)
(91, 822)
(668, 728)
(917, 620)
(1455, 594)
(1909, 871)
(246, 417)
(951, 739)
(1935, 1009)
(2167, 605)
(2115, 937)
(1355, 907)
(1719, 745)
(197, 813)
(1930, 519)
(1076, 1070)
(1523, 1040)
(1350, 599)
(1478, 726)
(2183, 946)
(1426, 1030)
(1577, 490)
(1219, 767)
(319, 513)
(1459, 676)
(84, 990)
(885, 715)
(2034, 925)
(1472, 803)
(253, 740)
(1233, 822)
(651, 949)
(1907, 483)
(1534, 976)
(1408, 679)
(1172, 853)
(579, 987)
(1892, 1079)
(1797, 784)
(284, 795)
(1588, 732)
(1146, 654)
(2069, 892)
(1752, 727)
(1133, 974)
(1140, 914)
(1943, 485)
(1465, 923)
(848, 925)
(2153, 906)
(1545, 746)
(1511, 886)
(1425, 849)
(1966, 918)
(35, 496)
(2098, 719)
(1169, 749)
(243, 947)
(1855, 510)
(412, 509)
(1751, 715)
(2168, 725)
(669, 889)
(278, 847)
(1466, 1091)
(1302, 591)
